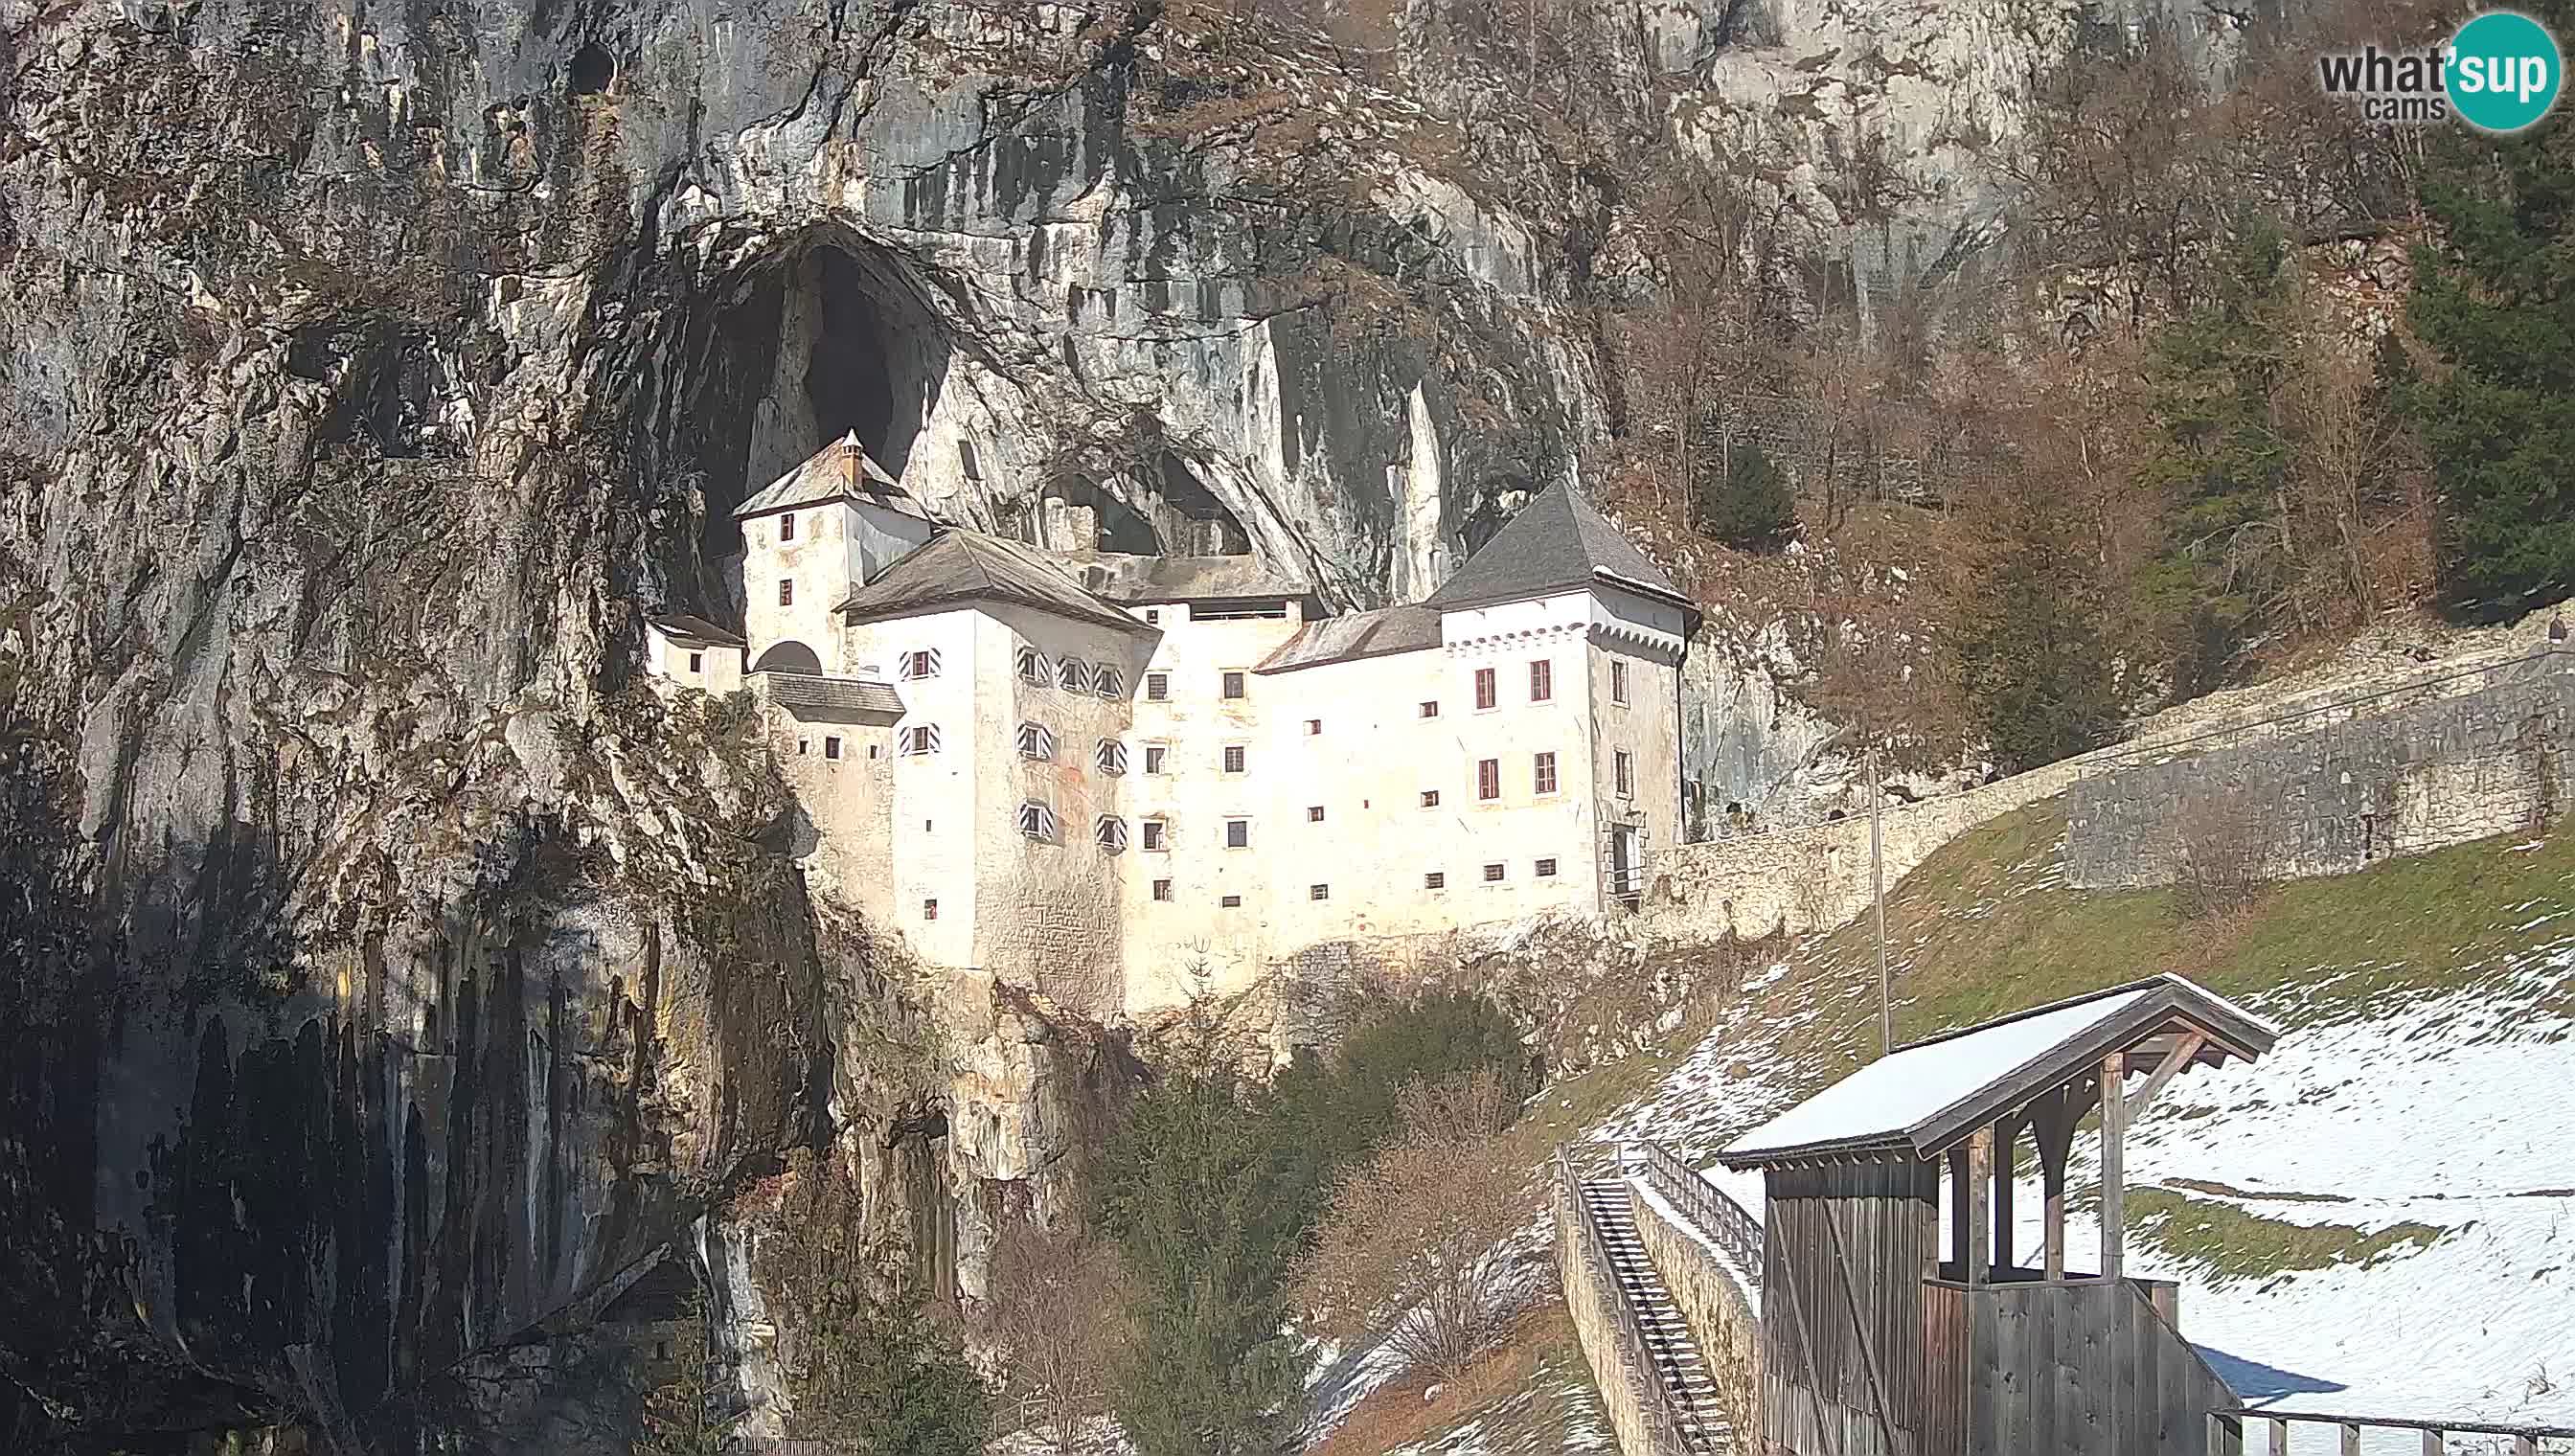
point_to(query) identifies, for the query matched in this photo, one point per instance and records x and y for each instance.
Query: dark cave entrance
(1161, 507)
(784, 354)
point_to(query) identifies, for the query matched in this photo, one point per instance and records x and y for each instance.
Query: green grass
(2231, 1242)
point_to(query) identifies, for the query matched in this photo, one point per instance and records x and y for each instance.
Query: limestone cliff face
(384, 971)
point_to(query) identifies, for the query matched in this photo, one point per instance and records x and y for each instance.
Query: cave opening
(590, 71)
(1491, 507)
(1199, 521)
(1078, 515)
(782, 354)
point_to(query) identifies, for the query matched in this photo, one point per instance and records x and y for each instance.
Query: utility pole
(1878, 883)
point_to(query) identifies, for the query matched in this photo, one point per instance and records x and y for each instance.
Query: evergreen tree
(1744, 498)
(2031, 656)
(2495, 300)
(884, 1378)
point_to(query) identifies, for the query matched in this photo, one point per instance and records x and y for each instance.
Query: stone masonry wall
(1712, 1304)
(1587, 1296)
(2347, 793)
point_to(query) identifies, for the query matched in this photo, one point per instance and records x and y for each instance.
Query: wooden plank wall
(1845, 1251)
(1944, 1370)
(2083, 1368)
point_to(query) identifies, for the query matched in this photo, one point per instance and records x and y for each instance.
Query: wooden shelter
(1872, 1345)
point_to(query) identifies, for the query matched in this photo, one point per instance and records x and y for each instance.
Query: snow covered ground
(2449, 1109)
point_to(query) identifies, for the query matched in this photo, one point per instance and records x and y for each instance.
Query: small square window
(697, 662)
(1488, 778)
(786, 527)
(1545, 869)
(1486, 693)
(1617, 681)
(1543, 777)
(1314, 813)
(1541, 680)
(1431, 799)
(921, 663)
(1155, 613)
(1234, 758)
(1434, 881)
(1238, 833)
(1158, 687)
(1431, 710)
(1153, 757)
(787, 594)
(1318, 891)
(804, 747)
(872, 750)
(1314, 727)
(1072, 676)
(1493, 875)
(1230, 901)
(831, 747)
(1154, 835)
(1625, 765)
(1162, 889)
(929, 909)
(1232, 684)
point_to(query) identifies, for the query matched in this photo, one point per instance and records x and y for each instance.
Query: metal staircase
(1687, 1389)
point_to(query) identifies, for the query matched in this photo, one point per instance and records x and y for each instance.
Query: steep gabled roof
(1920, 1101)
(1557, 543)
(1359, 634)
(840, 471)
(958, 566)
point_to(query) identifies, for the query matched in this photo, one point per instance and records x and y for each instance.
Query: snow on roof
(1893, 1099)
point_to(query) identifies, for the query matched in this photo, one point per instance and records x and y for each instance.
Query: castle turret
(816, 534)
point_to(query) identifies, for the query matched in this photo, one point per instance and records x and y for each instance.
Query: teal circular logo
(2502, 71)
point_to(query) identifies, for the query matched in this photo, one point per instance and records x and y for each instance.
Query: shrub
(1057, 1327)
(2224, 855)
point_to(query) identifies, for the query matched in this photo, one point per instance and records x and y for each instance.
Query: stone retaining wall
(1589, 1297)
(1713, 1304)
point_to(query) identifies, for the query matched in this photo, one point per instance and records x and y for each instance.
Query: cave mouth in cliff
(1492, 506)
(1206, 527)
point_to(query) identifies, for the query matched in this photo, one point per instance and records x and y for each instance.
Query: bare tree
(1057, 1322)
(2224, 861)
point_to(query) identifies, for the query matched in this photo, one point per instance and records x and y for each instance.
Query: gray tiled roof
(696, 629)
(958, 566)
(840, 471)
(1555, 544)
(833, 700)
(1121, 576)
(1360, 634)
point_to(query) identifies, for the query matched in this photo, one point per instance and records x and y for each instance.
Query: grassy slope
(1533, 1396)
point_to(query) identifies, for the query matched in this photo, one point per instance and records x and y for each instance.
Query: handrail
(1708, 1206)
(2525, 1439)
(1632, 1349)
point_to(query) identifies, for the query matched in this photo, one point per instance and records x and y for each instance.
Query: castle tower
(815, 535)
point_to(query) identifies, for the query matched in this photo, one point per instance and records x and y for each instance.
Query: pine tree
(2031, 657)
(1743, 498)
(2495, 300)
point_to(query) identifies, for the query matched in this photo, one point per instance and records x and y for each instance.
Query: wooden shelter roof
(1922, 1099)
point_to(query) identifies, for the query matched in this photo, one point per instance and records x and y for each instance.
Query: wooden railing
(2435, 1434)
(1707, 1206)
(1633, 1353)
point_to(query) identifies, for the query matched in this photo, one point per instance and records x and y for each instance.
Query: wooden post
(2006, 1134)
(2434, 1445)
(1962, 1232)
(2051, 1128)
(2350, 1440)
(2114, 1132)
(1981, 1178)
(2279, 1437)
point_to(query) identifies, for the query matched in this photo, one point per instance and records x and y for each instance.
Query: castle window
(1072, 675)
(830, 746)
(1488, 778)
(1434, 881)
(1545, 869)
(1493, 875)
(1111, 757)
(929, 909)
(1546, 773)
(1238, 833)
(1162, 890)
(786, 527)
(1158, 687)
(1232, 902)
(1234, 758)
(1156, 835)
(697, 662)
(1107, 681)
(1318, 891)
(1232, 684)
(787, 594)
(1314, 727)
(1153, 614)
(1153, 757)
(1110, 832)
(1625, 765)
(1033, 670)
(1431, 710)
(918, 739)
(919, 663)
(1036, 742)
(1486, 693)
(1617, 681)
(1036, 820)
(1314, 813)
(1541, 680)
(803, 746)
(1431, 799)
